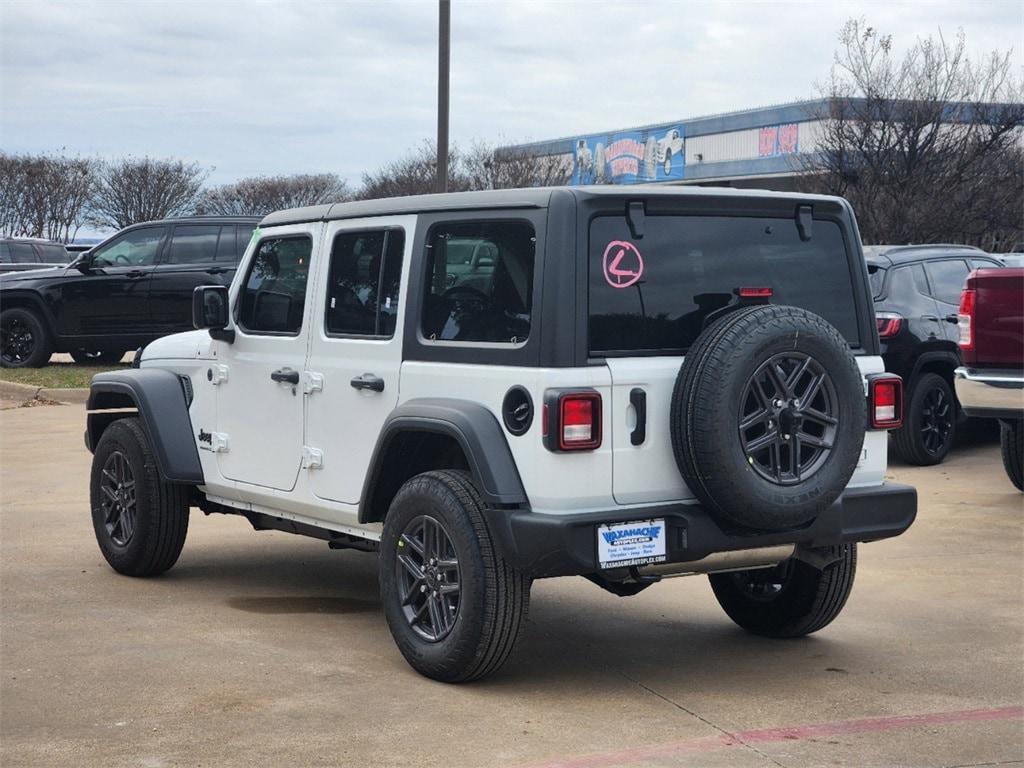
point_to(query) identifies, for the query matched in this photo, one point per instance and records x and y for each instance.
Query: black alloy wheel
(788, 418)
(118, 502)
(17, 341)
(936, 424)
(428, 575)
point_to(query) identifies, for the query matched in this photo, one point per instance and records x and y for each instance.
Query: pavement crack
(704, 720)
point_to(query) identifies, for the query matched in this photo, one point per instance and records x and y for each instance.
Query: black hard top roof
(894, 255)
(537, 197)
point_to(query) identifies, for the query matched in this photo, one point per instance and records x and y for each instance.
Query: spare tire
(768, 417)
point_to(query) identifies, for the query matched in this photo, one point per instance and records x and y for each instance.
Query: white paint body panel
(342, 421)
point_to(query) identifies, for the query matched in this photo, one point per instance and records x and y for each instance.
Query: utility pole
(443, 67)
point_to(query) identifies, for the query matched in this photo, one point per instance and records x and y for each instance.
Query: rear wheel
(929, 427)
(24, 341)
(140, 520)
(791, 600)
(1011, 437)
(98, 357)
(454, 606)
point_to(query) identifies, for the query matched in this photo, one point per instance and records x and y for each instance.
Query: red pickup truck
(990, 383)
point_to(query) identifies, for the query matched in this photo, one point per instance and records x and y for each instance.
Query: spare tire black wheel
(768, 417)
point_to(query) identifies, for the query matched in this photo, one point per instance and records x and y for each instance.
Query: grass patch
(58, 375)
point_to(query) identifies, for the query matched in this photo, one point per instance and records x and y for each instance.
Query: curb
(28, 392)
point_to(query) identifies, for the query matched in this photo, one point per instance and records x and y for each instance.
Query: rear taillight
(572, 420)
(754, 292)
(885, 401)
(889, 324)
(965, 319)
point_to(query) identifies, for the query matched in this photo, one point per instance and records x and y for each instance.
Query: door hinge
(314, 383)
(219, 442)
(215, 374)
(312, 458)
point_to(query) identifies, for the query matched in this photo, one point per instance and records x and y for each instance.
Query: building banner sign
(775, 140)
(630, 157)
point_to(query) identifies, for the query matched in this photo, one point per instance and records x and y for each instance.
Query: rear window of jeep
(652, 294)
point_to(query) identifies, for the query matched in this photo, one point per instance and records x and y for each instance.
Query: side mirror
(84, 262)
(210, 310)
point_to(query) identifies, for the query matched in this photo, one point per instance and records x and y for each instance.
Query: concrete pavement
(269, 649)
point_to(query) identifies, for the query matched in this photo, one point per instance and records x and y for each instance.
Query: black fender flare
(947, 357)
(477, 432)
(159, 397)
(29, 299)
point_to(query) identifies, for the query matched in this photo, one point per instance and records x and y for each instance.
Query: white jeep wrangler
(487, 388)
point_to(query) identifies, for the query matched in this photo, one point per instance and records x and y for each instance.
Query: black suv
(18, 254)
(917, 293)
(130, 289)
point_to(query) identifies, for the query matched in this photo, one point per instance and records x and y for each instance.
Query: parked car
(990, 383)
(917, 292)
(643, 382)
(19, 254)
(130, 289)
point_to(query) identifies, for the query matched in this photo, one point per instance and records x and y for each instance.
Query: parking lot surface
(270, 649)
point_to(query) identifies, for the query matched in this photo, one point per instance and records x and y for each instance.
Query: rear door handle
(135, 274)
(368, 381)
(638, 399)
(286, 375)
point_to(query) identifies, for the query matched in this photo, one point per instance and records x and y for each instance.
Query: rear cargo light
(572, 420)
(965, 319)
(889, 324)
(885, 401)
(754, 292)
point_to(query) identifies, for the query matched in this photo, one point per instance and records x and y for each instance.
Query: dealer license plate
(636, 543)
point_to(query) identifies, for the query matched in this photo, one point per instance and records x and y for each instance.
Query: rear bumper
(990, 393)
(565, 545)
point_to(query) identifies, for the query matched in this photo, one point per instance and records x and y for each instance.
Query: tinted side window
(479, 281)
(655, 294)
(244, 236)
(53, 254)
(274, 293)
(362, 288)
(193, 244)
(23, 253)
(984, 264)
(947, 279)
(906, 282)
(876, 275)
(133, 249)
(226, 247)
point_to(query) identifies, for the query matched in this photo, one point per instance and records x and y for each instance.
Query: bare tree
(131, 190)
(413, 174)
(512, 168)
(483, 167)
(45, 195)
(259, 195)
(927, 147)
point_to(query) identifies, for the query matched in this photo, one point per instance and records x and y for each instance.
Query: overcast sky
(251, 88)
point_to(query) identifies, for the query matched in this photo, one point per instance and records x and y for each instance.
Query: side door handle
(638, 399)
(368, 381)
(216, 270)
(135, 274)
(286, 375)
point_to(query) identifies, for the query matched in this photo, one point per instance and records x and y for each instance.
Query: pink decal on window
(623, 264)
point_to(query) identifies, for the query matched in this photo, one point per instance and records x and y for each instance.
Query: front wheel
(24, 341)
(791, 600)
(454, 606)
(140, 519)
